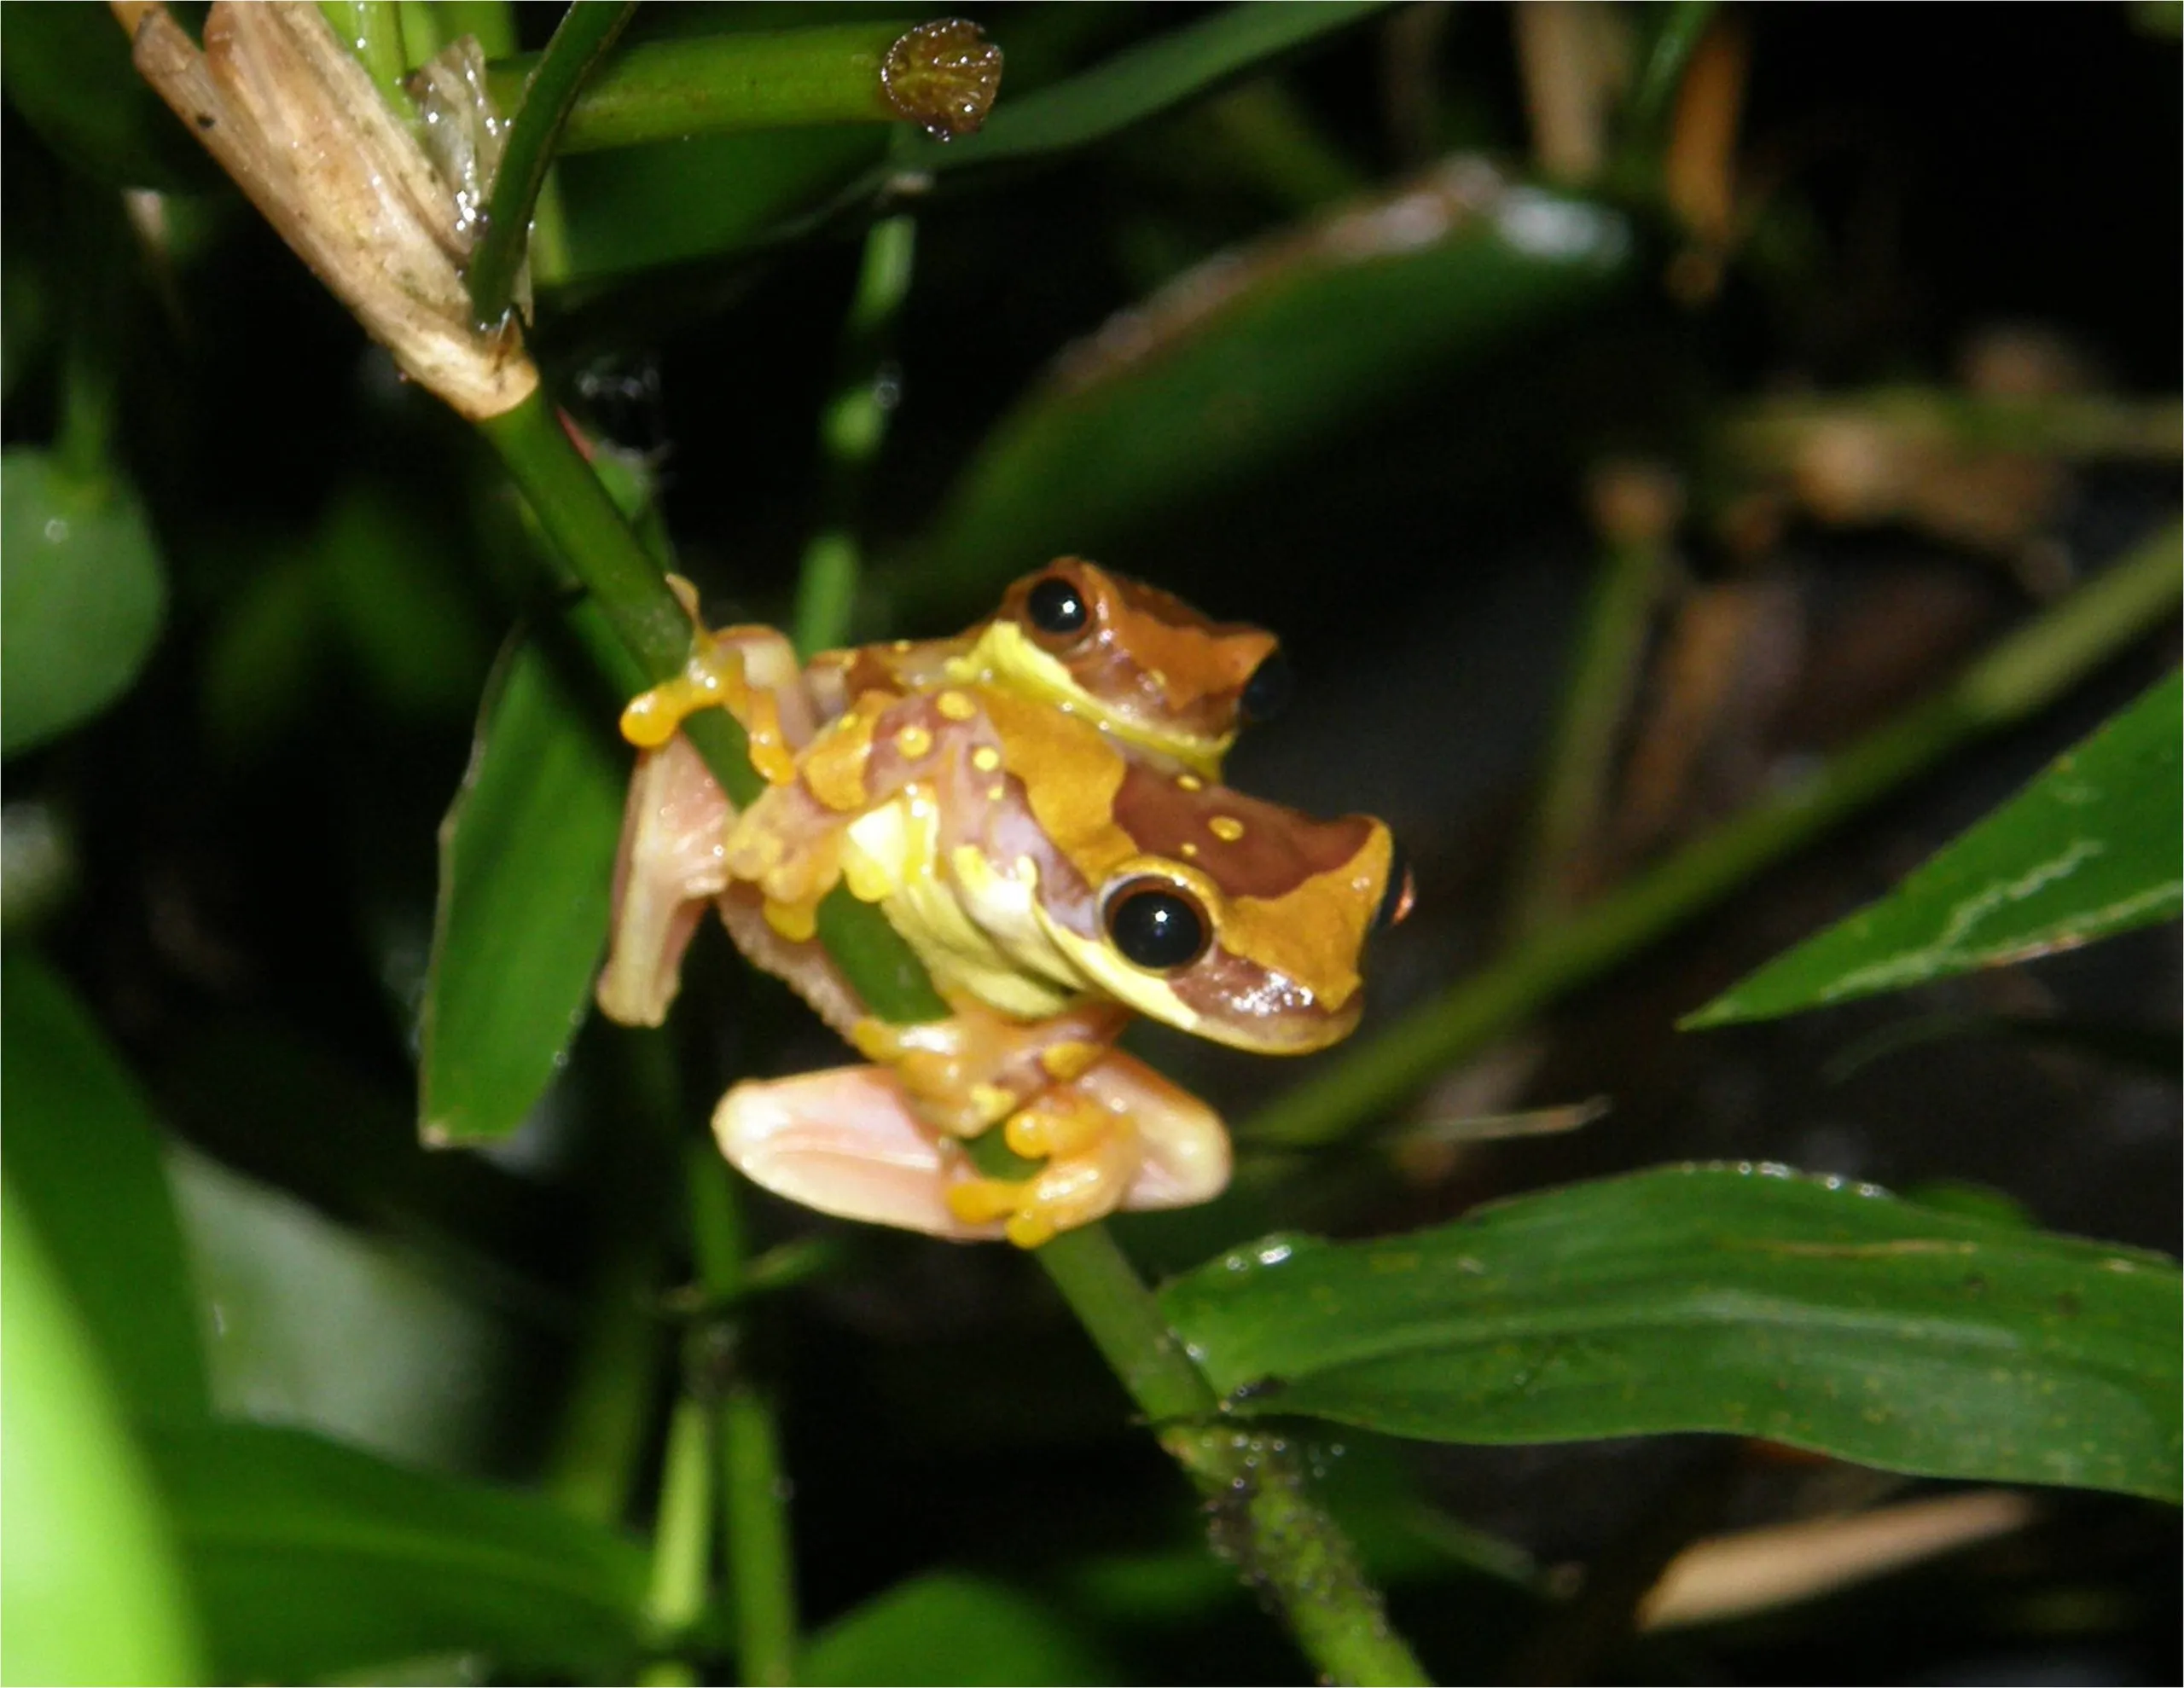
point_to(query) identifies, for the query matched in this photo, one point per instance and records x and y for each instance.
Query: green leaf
(89, 1587)
(84, 1159)
(1718, 1298)
(1143, 81)
(1237, 369)
(2090, 848)
(639, 207)
(527, 857)
(67, 70)
(948, 1628)
(310, 1558)
(80, 597)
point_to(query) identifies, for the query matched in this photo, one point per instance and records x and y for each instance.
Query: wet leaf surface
(1751, 1301)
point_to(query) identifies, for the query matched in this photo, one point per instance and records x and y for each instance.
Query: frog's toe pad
(846, 1143)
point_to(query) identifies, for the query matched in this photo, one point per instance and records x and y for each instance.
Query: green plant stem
(1086, 1266)
(586, 31)
(761, 1566)
(1111, 1301)
(669, 91)
(2021, 675)
(606, 556)
(761, 1584)
(1603, 673)
(853, 426)
(493, 21)
(1264, 1518)
(372, 29)
(422, 28)
(1683, 24)
(682, 1537)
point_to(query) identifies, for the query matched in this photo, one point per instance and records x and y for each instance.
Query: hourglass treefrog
(1035, 807)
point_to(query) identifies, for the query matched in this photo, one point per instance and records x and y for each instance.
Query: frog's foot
(751, 672)
(1119, 1136)
(1070, 1189)
(669, 863)
(976, 1068)
(847, 1142)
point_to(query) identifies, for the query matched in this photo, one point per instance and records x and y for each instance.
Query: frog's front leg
(851, 1142)
(751, 672)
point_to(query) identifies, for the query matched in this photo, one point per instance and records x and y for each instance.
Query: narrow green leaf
(80, 597)
(1145, 80)
(1718, 1298)
(716, 192)
(67, 71)
(2093, 847)
(310, 1558)
(84, 1159)
(950, 1627)
(1236, 369)
(89, 1587)
(526, 854)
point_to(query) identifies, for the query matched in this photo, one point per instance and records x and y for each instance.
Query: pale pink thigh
(847, 1142)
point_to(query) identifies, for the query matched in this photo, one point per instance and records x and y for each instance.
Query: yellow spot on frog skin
(1189, 782)
(833, 764)
(913, 742)
(795, 921)
(985, 759)
(1187, 847)
(992, 1100)
(1226, 827)
(1068, 1060)
(997, 791)
(955, 707)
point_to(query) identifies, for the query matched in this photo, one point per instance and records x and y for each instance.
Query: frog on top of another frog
(1035, 807)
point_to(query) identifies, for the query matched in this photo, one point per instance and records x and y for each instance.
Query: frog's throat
(1002, 655)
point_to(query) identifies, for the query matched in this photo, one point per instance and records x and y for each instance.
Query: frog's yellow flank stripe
(1005, 657)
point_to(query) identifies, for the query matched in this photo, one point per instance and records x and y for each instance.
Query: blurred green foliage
(1269, 303)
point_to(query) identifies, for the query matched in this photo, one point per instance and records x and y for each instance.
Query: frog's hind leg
(847, 1142)
(672, 863)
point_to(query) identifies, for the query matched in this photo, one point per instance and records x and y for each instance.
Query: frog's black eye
(1402, 892)
(1056, 607)
(1267, 693)
(1154, 925)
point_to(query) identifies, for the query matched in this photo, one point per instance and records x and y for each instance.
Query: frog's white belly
(974, 924)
